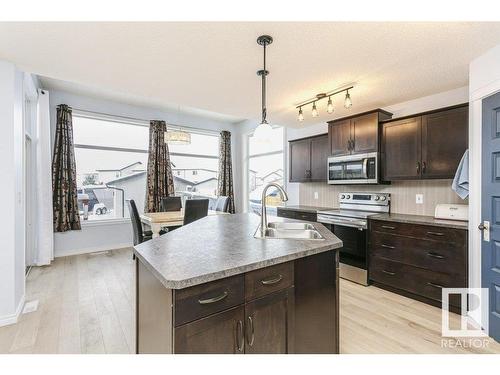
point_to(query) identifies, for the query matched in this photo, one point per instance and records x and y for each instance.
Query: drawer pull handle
(240, 337)
(387, 246)
(276, 280)
(388, 227)
(389, 273)
(435, 233)
(435, 285)
(251, 337)
(434, 255)
(213, 299)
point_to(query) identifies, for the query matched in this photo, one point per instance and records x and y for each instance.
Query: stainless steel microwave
(353, 169)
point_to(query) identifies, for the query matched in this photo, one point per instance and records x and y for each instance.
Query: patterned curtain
(160, 182)
(64, 191)
(225, 187)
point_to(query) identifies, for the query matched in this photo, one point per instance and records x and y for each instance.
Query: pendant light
(177, 137)
(263, 132)
(314, 111)
(347, 101)
(301, 115)
(329, 107)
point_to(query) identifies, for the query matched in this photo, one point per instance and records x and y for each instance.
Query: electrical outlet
(419, 199)
(316, 195)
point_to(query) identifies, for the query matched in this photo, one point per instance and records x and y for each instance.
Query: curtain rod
(142, 122)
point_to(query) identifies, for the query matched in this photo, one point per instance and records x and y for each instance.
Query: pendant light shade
(177, 137)
(263, 133)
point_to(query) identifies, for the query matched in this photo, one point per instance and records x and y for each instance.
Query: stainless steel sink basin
(293, 226)
(295, 234)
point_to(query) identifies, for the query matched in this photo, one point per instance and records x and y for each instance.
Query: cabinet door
(365, 133)
(300, 160)
(319, 158)
(339, 133)
(444, 141)
(401, 149)
(221, 333)
(269, 324)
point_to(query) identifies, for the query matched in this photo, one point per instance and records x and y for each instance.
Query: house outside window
(265, 165)
(111, 163)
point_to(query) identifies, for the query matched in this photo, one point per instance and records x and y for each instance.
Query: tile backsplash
(402, 195)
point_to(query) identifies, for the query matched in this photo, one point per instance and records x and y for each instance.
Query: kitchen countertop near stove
(421, 219)
(301, 208)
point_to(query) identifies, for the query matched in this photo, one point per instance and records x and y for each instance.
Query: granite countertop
(220, 246)
(421, 219)
(301, 208)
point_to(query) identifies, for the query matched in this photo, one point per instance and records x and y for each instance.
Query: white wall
(12, 264)
(97, 237)
(484, 80)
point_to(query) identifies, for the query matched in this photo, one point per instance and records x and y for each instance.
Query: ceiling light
(263, 132)
(314, 111)
(177, 137)
(301, 115)
(329, 107)
(347, 101)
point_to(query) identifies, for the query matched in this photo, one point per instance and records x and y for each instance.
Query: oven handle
(359, 224)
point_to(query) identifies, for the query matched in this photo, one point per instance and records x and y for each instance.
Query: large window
(111, 162)
(265, 165)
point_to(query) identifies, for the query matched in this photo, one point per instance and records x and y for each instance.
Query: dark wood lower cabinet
(285, 308)
(269, 324)
(219, 333)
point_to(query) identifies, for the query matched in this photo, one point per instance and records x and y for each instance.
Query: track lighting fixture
(329, 108)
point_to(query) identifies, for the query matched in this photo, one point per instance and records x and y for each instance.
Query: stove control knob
(383, 198)
(377, 197)
(348, 196)
(342, 196)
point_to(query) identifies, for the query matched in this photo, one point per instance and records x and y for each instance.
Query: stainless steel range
(350, 223)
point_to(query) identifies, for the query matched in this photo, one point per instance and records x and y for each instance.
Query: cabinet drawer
(268, 280)
(421, 231)
(205, 299)
(414, 280)
(432, 255)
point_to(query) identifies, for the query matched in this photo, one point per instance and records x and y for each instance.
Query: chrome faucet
(263, 214)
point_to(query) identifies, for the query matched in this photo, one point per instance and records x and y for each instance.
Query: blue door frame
(490, 209)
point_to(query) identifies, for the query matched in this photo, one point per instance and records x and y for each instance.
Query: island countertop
(220, 246)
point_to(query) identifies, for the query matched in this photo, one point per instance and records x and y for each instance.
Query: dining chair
(222, 204)
(168, 204)
(195, 209)
(139, 234)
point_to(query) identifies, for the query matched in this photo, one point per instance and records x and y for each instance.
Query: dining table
(158, 220)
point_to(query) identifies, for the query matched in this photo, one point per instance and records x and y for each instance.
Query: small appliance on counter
(350, 223)
(452, 212)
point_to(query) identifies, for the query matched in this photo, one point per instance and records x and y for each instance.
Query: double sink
(297, 231)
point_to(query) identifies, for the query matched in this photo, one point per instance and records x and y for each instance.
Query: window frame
(78, 113)
(248, 157)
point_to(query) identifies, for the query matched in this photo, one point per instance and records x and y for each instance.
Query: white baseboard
(92, 250)
(12, 319)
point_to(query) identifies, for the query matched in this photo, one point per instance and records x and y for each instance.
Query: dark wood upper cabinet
(444, 141)
(269, 324)
(356, 134)
(319, 157)
(308, 159)
(340, 137)
(401, 155)
(425, 146)
(300, 160)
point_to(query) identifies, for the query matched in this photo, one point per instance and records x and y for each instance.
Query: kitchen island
(211, 287)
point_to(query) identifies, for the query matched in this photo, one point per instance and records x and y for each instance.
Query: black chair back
(170, 204)
(136, 222)
(222, 204)
(195, 209)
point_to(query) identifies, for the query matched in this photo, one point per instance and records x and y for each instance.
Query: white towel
(461, 181)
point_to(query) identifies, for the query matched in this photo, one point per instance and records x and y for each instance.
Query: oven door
(353, 169)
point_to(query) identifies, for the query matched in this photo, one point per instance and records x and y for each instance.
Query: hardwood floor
(86, 305)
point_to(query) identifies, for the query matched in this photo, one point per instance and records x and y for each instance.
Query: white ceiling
(211, 67)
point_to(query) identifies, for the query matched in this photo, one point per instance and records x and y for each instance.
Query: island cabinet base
(285, 308)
